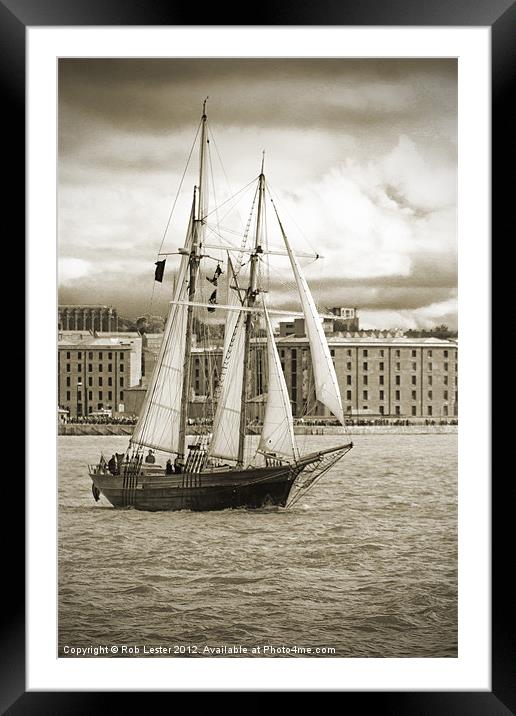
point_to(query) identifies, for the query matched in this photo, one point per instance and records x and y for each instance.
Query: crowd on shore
(100, 420)
(131, 420)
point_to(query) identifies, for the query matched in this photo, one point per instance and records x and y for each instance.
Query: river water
(363, 566)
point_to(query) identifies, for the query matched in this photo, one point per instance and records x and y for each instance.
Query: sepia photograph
(257, 341)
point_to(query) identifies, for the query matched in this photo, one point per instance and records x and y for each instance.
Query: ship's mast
(252, 292)
(195, 256)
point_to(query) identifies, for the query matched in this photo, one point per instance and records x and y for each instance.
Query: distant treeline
(441, 331)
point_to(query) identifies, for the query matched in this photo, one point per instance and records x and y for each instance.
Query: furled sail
(232, 317)
(158, 424)
(226, 425)
(326, 385)
(278, 430)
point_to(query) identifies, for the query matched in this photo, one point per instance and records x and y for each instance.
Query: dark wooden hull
(252, 488)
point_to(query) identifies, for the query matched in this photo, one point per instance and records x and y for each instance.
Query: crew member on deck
(178, 465)
(169, 470)
(112, 465)
(150, 457)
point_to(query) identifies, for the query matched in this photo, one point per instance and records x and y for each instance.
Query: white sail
(226, 425)
(326, 385)
(278, 429)
(158, 424)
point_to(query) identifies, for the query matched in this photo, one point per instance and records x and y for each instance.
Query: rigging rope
(172, 211)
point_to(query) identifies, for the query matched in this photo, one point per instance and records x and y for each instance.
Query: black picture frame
(500, 16)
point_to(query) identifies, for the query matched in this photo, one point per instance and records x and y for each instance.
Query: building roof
(84, 305)
(358, 340)
(87, 340)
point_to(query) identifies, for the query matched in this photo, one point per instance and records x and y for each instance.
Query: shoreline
(87, 429)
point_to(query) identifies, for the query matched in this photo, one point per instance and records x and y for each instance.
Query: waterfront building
(381, 374)
(94, 371)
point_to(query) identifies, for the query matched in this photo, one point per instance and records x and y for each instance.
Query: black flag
(160, 269)
(216, 275)
(212, 299)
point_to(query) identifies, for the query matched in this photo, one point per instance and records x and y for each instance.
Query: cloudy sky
(361, 155)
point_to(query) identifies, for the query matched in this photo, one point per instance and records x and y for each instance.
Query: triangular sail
(226, 425)
(278, 430)
(326, 385)
(158, 424)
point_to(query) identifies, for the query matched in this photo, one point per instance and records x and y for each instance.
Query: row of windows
(90, 355)
(397, 380)
(90, 368)
(90, 381)
(397, 395)
(397, 410)
(397, 353)
(90, 395)
(397, 367)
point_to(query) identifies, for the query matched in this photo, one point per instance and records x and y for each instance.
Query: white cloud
(70, 269)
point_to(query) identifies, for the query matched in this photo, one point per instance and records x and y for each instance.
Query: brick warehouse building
(380, 374)
(95, 371)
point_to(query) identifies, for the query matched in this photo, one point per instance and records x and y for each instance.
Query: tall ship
(222, 466)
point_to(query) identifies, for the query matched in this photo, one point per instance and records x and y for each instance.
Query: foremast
(250, 300)
(199, 210)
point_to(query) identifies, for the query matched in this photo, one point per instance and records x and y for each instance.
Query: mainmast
(252, 292)
(195, 256)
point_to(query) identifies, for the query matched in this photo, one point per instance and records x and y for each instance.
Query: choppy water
(366, 564)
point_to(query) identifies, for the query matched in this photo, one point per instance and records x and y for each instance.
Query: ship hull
(252, 489)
